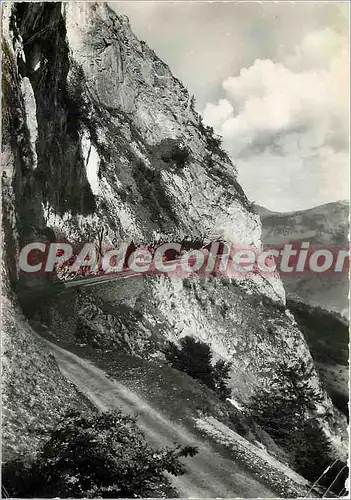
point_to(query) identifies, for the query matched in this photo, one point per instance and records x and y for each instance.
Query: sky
(272, 79)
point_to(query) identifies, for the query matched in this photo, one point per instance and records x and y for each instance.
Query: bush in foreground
(101, 455)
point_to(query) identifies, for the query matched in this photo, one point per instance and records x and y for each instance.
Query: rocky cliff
(91, 120)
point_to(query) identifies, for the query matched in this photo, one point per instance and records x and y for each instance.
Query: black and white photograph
(175, 249)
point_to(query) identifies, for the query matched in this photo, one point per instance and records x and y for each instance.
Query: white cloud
(316, 50)
(217, 114)
(291, 111)
(285, 164)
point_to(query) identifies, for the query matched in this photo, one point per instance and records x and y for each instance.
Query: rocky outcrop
(97, 88)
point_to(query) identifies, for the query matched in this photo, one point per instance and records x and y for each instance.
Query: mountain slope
(35, 394)
(98, 133)
(314, 299)
(326, 225)
(211, 472)
(328, 338)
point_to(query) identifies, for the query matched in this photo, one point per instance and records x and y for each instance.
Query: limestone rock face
(79, 80)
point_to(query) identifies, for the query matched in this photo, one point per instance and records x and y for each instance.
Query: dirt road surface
(209, 474)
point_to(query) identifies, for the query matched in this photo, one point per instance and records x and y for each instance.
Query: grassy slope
(34, 393)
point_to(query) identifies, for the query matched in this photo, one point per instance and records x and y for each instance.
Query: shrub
(101, 455)
(285, 410)
(326, 333)
(220, 374)
(209, 161)
(214, 142)
(187, 284)
(172, 151)
(195, 358)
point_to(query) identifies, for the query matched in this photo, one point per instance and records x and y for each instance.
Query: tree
(286, 410)
(312, 450)
(173, 151)
(102, 455)
(100, 237)
(281, 407)
(195, 358)
(192, 102)
(221, 375)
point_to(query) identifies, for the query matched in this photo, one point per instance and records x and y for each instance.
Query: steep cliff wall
(92, 116)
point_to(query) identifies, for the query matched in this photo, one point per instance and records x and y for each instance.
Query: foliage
(172, 151)
(101, 455)
(285, 410)
(192, 102)
(209, 161)
(214, 142)
(221, 375)
(195, 358)
(312, 449)
(290, 394)
(326, 333)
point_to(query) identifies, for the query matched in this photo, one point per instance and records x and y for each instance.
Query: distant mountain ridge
(326, 224)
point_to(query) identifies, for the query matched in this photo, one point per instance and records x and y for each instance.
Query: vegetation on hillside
(98, 455)
(326, 333)
(284, 410)
(195, 358)
(327, 336)
(173, 153)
